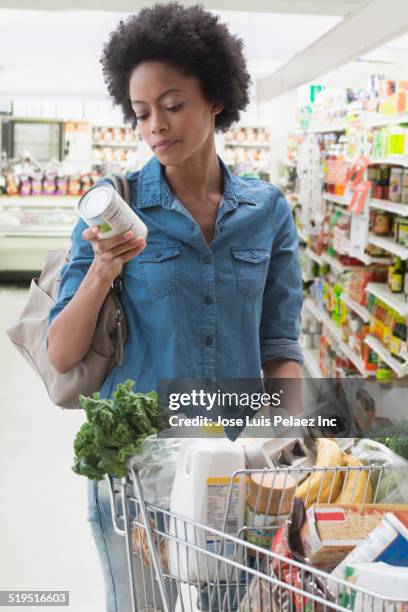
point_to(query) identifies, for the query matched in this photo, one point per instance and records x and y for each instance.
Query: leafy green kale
(115, 430)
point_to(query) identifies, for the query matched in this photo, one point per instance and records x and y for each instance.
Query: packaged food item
(103, 206)
(384, 374)
(61, 185)
(273, 452)
(395, 184)
(387, 542)
(3, 185)
(268, 503)
(36, 183)
(401, 230)
(335, 530)
(404, 193)
(25, 184)
(396, 276)
(200, 493)
(49, 184)
(86, 182)
(266, 596)
(74, 185)
(291, 541)
(380, 578)
(380, 222)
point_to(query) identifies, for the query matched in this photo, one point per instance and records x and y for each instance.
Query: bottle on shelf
(396, 276)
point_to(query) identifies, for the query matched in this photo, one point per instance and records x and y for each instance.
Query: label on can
(102, 206)
(262, 527)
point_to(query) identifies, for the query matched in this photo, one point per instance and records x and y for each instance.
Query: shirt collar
(154, 190)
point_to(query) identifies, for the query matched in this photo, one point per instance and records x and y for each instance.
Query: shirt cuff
(281, 348)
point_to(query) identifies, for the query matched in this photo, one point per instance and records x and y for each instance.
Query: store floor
(45, 538)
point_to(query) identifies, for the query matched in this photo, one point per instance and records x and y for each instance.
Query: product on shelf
(380, 222)
(358, 279)
(395, 192)
(247, 151)
(49, 183)
(11, 183)
(401, 230)
(25, 184)
(37, 183)
(390, 329)
(74, 185)
(396, 275)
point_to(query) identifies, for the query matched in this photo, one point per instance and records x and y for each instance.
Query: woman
(216, 292)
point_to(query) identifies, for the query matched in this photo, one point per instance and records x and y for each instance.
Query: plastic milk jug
(200, 494)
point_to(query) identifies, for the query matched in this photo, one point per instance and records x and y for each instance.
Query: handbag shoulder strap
(121, 184)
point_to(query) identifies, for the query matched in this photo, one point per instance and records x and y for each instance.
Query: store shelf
(335, 332)
(336, 199)
(356, 360)
(313, 309)
(318, 258)
(335, 127)
(307, 279)
(389, 244)
(39, 201)
(36, 231)
(401, 369)
(392, 207)
(311, 362)
(336, 265)
(394, 161)
(302, 234)
(331, 326)
(396, 301)
(121, 145)
(362, 311)
(379, 120)
(256, 145)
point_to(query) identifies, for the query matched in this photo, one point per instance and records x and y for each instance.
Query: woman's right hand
(112, 253)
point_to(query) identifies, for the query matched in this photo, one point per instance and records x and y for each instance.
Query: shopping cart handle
(116, 515)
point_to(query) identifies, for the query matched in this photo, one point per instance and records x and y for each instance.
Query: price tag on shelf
(358, 236)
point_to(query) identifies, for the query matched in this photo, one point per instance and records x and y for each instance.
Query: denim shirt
(198, 310)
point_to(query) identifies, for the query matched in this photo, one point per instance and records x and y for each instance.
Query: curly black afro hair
(190, 39)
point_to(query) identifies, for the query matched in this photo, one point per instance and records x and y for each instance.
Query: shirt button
(208, 340)
(208, 300)
(207, 259)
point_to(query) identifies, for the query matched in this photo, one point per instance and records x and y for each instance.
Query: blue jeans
(112, 553)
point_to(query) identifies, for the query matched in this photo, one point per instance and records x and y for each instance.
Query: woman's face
(172, 114)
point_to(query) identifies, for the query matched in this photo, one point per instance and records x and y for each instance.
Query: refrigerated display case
(29, 228)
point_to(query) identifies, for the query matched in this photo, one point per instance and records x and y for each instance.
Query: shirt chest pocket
(160, 269)
(251, 267)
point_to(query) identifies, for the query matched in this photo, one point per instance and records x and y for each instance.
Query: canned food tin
(103, 206)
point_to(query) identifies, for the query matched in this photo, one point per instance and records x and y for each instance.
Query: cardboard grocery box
(333, 530)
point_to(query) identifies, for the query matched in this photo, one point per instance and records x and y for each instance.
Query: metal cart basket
(176, 564)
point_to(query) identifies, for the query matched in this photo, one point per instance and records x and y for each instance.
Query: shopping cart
(176, 564)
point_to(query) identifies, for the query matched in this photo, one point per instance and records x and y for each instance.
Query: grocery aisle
(48, 544)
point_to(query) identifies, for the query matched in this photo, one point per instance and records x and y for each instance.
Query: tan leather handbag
(30, 332)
